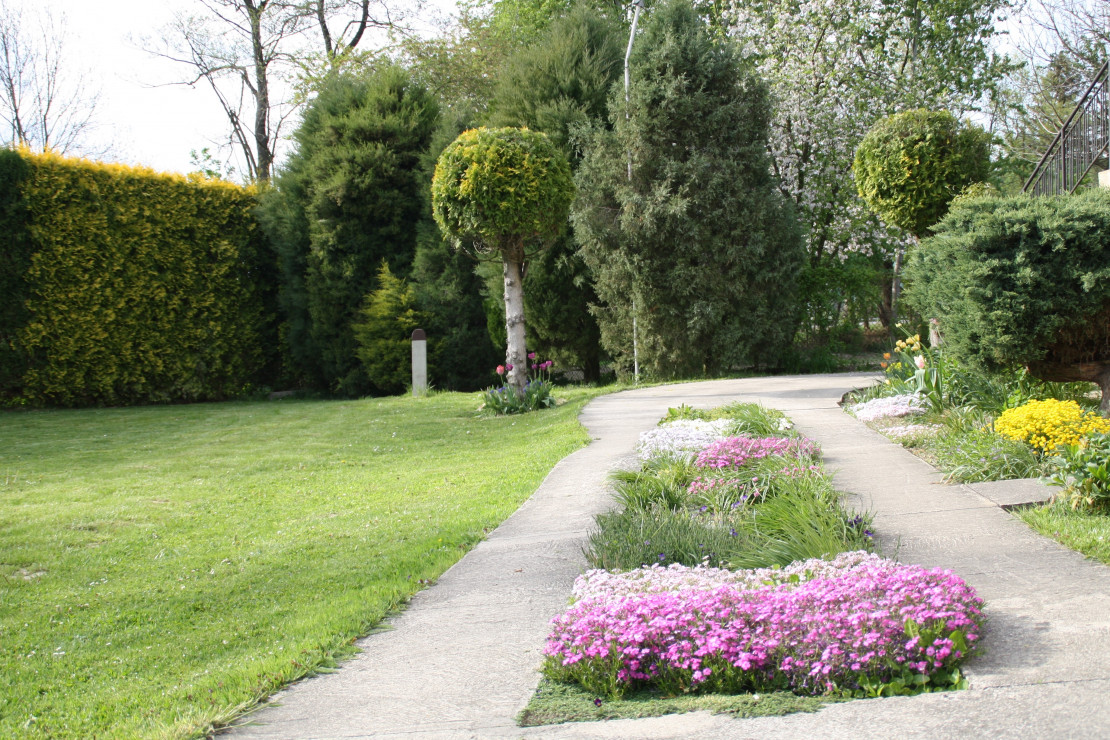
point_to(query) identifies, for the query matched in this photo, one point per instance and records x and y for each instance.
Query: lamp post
(637, 6)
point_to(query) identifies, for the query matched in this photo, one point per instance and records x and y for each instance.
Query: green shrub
(1021, 281)
(1084, 472)
(384, 333)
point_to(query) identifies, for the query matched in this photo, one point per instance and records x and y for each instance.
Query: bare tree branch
(44, 103)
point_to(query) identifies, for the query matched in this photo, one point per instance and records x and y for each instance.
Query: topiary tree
(910, 166)
(503, 193)
(1022, 281)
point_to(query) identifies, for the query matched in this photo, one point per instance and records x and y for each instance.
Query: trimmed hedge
(127, 286)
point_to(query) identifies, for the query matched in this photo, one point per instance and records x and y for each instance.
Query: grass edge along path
(163, 569)
(555, 703)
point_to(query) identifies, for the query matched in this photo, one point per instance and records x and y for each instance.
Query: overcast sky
(146, 120)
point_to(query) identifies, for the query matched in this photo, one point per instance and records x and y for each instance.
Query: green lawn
(162, 568)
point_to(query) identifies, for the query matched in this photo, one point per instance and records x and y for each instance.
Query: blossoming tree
(503, 193)
(834, 68)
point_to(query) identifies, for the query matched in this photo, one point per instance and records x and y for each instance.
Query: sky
(144, 118)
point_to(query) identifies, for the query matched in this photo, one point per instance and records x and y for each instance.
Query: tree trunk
(263, 145)
(1091, 372)
(516, 354)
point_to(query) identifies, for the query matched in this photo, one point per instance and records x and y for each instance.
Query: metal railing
(1080, 144)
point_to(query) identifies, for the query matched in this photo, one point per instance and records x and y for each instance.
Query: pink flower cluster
(736, 487)
(876, 620)
(732, 452)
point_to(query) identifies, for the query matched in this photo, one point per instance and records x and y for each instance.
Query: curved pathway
(461, 661)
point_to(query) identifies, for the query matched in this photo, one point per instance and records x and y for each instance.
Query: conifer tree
(384, 332)
(698, 245)
(349, 198)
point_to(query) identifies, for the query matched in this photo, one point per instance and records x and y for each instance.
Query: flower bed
(1050, 424)
(862, 624)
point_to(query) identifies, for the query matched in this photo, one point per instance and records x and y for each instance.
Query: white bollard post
(419, 363)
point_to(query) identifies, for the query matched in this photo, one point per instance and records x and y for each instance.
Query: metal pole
(637, 6)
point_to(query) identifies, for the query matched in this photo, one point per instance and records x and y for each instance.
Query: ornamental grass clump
(876, 627)
(1050, 424)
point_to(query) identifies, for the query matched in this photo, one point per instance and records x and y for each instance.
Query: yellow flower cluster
(910, 344)
(1049, 424)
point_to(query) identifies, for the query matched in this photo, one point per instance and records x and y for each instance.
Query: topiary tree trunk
(516, 352)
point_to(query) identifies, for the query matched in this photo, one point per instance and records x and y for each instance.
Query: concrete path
(461, 661)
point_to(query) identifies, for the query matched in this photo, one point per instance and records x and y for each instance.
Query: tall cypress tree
(557, 84)
(348, 200)
(698, 242)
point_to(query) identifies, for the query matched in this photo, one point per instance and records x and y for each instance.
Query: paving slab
(462, 660)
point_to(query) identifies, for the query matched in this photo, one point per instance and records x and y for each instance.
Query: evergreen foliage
(129, 286)
(1021, 281)
(461, 353)
(16, 249)
(350, 196)
(449, 291)
(699, 237)
(503, 193)
(384, 333)
(557, 84)
(911, 165)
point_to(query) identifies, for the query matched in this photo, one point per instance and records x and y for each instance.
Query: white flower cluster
(889, 406)
(657, 579)
(684, 437)
(912, 431)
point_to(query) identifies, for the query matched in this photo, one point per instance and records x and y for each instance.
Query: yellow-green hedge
(137, 286)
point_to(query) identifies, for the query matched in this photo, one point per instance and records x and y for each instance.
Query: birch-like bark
(516, 352)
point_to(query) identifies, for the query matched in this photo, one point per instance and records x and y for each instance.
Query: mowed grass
(163, 568)
(1082, 530)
